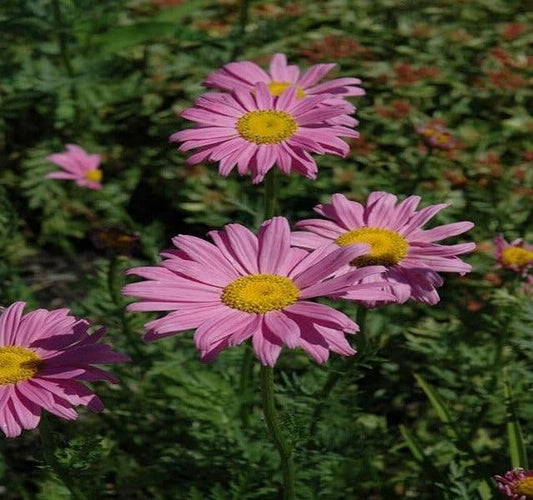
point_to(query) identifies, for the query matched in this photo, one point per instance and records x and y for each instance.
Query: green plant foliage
(437, 401)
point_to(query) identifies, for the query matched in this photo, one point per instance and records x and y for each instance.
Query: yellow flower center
(266, 127)
(386, 247)
(94, 175)
(277, 88)
(260, 293)
(524, 487)
(17, 364)
(516, 256)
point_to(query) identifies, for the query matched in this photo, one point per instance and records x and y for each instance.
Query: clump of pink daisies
(516, 484)
(394, 231)
(243, 286)
(45, 356)
(514, 255)
(244, 75)
(78, 166)
(255, 131)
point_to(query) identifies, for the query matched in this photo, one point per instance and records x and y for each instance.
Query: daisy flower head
(78, 166)
(45, 356)
(244, 75)
(397, 241)
(436, 136)
(516, 484)
(255, 132)
(243, 286)
(514, 255)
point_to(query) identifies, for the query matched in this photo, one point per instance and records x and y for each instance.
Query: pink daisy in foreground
(516, 484)
(397, 240)
(246, 286)
(44, 358)
(514, 255)
(78, 166)
(255, 131)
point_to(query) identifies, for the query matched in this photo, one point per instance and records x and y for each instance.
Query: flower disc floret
(94, 175)
(516, 256)
(524, 487)
(17, 364)
(387, 247)
(267, 126)
(260, 293)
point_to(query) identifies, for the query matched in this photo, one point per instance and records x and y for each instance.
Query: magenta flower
(516, 484)
(514, 255)
(436, 136)
(398, 242)
(78, 166)
(246, 286)
(255, 131)
(44, 358)
(245, 75)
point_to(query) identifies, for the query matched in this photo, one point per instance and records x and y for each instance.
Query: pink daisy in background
(397, 241)
(78, 166)
(514, 255)
(245, 75)
(246, 286)
(255, 132)
(44, 358)
(516, 484)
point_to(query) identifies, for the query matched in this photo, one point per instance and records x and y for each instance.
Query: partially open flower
(516, 484)
(78, 166)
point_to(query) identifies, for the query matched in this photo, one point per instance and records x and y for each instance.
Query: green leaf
(517, 450)
(413, 444)
(439, 406)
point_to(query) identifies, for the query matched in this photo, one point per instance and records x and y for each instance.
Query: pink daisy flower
(78, 166)
(255, 131)
(514, 255)
(246, 286)
(516, 484)
(394, 232)
(44, 358)
(244, 75)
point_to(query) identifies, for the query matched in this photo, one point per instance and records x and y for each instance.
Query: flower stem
(273, 424)
(271, 194)
(114, 285)
(241, 29)
(48, 448)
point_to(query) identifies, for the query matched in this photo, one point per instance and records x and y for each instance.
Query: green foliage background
(112, 76)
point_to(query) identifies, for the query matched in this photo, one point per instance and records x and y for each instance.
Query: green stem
(114, 285)
(241, 29)
(245, 380)
(271, 194)
(48, 448)
(64, 54)
(273, 424)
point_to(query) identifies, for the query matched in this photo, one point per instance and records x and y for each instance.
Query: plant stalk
(48, 448)
(273, 424)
